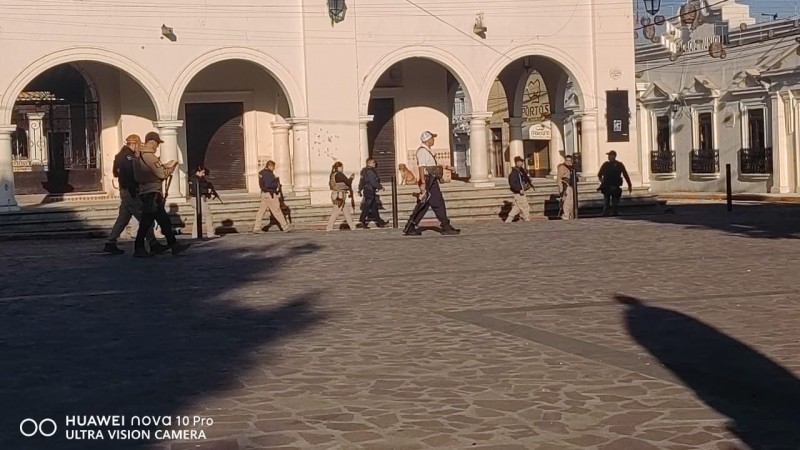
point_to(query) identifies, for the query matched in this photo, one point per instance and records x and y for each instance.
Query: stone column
(645, 142)
(781, 163)
(37, 141)
(281, 154)
(168, 130)
(301, 163)
(8, 201)
(590, 159)
(479, 153)
(363, 140)
(515, 144)
(556, 146)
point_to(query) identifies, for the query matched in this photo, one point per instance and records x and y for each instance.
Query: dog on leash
(406, 176)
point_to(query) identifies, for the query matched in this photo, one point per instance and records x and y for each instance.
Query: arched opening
(229, 109)
(533, 103)
(415, 95)
(70, 122)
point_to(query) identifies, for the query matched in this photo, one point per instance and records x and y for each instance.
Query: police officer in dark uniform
(368, 187)
(610, 175)
(430, 193)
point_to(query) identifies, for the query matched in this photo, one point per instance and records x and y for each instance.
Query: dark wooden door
(215, 138)
(381, 137)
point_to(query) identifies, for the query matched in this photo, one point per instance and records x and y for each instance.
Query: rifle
(214, 194)
(166, 189)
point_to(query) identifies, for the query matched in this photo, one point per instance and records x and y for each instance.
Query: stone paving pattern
(506, 337)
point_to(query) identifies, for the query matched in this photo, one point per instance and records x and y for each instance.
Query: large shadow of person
(119, 336)
(761, 398)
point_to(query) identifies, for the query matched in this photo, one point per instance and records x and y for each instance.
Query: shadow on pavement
(761, 398)
(174, 332)
(767, 221)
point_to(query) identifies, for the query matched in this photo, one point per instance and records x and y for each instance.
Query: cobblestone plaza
(655, 332)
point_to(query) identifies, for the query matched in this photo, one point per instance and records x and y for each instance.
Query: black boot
(157, 248)
(142, 253)
(179, 247)
(450, 230)
(411, 230)
(111, 247)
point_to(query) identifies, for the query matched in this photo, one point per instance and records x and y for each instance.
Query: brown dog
(406, 176)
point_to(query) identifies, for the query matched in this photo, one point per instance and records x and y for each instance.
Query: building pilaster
(282, 154)
(168, 131)
(479, 154)
(8, 201)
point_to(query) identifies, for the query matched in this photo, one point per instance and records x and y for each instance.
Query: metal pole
(575, 194)
(198, 210)
(728, 189)
(394, 202)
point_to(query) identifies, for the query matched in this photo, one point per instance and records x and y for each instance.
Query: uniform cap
(153, 136)
(426, 135)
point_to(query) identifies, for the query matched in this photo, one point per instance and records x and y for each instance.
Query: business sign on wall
(540, 131)
(535, 101)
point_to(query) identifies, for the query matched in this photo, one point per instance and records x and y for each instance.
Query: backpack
(141, 171)
(123, 165)
(332, 181)
(363, 181)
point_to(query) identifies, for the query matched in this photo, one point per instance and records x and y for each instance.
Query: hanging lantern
(689, 13)
(652, 6)
(336, 9)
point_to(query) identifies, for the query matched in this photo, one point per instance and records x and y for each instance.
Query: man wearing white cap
(430, 194)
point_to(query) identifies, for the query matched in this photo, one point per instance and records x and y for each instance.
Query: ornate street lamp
(652, 6)
(336, 9)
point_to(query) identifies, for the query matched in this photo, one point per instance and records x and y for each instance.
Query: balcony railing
(755, 161)
(705, 161)
(662, 161)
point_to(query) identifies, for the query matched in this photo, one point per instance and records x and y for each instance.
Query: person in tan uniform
(270, 198)
(566, 185)
(340, 186)
(150, 173)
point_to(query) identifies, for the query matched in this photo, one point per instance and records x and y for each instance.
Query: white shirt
(425, 157)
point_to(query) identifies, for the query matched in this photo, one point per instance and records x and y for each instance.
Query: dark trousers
(153, 211)
(436, 202)
(611, 196)
(369, 209)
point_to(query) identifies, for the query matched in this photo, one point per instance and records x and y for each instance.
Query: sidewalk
(717, 196)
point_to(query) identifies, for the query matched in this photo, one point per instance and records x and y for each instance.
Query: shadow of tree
(767, 221)
(102, 335)
(761, 398)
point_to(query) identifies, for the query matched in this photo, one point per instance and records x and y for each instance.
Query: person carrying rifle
(566, 187)
(206, 193)
(368, 187)
(150, 174)
(270, 198)
(519, 182)
(611, 174)
(341, 186)
(430, 193)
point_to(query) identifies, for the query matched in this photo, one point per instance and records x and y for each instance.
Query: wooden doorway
(215, 138)
(380, 134)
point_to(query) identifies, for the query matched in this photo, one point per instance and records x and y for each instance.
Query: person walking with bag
(150, 174)
(270, 198)
(519, 182)
(340, 186)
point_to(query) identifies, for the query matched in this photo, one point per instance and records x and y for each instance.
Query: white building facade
(700, 113)
(232, 85)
